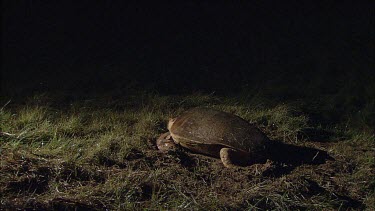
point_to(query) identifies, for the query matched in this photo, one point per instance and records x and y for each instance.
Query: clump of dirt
(71, 172)
(34, 181)
(25, 176)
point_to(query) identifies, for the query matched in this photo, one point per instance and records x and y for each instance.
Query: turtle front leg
(231, 157)
(165, 142)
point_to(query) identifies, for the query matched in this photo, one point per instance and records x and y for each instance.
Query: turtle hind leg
(232, 157)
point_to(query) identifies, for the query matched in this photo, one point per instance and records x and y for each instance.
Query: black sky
(189, 45)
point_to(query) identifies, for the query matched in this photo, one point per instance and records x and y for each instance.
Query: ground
(64, 152)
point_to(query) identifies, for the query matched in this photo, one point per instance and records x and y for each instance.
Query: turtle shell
(207, 130)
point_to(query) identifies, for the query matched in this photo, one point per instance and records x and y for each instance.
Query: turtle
(218, 134)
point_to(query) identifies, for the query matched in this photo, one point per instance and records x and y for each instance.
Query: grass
(99, 153)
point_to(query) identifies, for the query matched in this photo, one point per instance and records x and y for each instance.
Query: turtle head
(170, 123)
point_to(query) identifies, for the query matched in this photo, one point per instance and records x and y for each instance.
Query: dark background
(299, 48)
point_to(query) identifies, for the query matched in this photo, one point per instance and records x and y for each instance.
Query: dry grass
(100, 154)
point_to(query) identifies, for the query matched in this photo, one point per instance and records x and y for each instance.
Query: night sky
(186, 46)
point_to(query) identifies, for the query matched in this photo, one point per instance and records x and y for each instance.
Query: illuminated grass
(99, 153)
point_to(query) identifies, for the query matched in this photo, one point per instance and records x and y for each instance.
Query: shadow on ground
(288, 157)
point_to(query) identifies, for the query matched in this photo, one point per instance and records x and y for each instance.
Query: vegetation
(63, 152)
